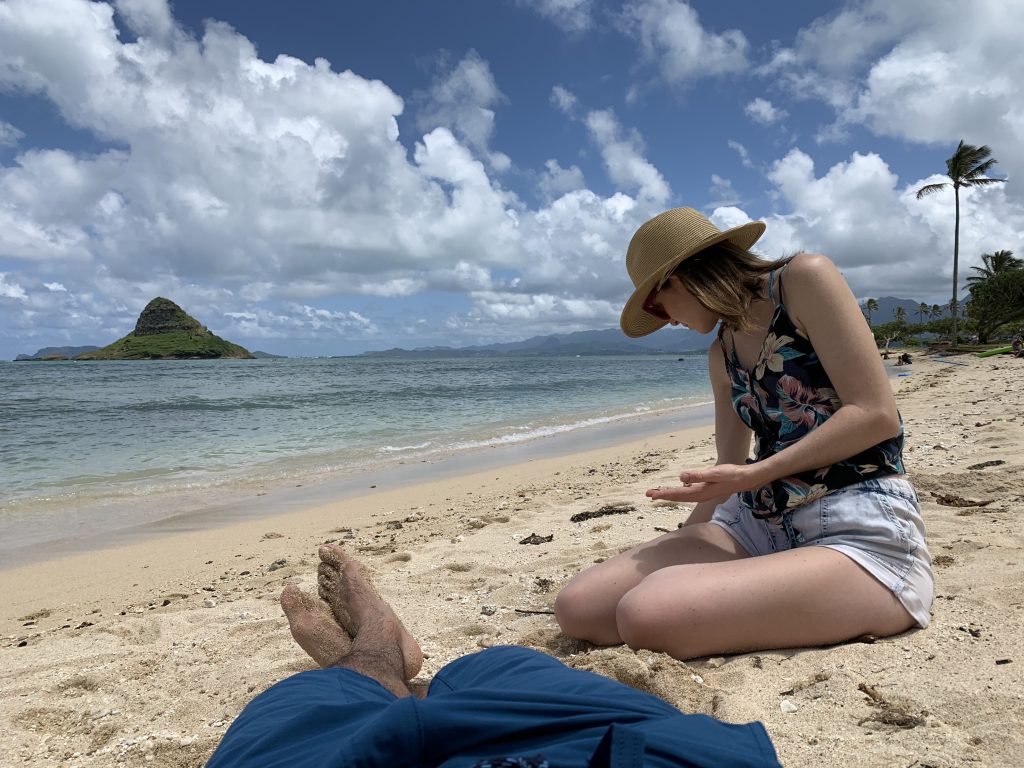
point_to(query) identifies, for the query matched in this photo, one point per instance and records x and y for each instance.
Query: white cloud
(11, 290)
(462, 100)
(722, 192)
(623, 157)
(251, 191)
(571, 15)
(279, 182)
(763, 111)
(151, 18)
(741, 150)
(565, 100)
(556, 180)
(9, 135)
(671, 35)
(918, 70)
(298, 322)
(876, 230)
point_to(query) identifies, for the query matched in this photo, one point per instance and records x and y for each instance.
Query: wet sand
(144, 653)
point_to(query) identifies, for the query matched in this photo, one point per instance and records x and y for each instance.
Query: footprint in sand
(475, 630)
(140, 632)
(78, 685)
(42, 613)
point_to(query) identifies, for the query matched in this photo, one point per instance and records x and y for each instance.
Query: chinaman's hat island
(164, 331)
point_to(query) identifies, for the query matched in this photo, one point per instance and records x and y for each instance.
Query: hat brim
(635, 322)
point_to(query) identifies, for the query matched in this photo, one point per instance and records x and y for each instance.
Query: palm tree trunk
(956, 260)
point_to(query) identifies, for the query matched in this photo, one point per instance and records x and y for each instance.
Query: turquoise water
(80, 441)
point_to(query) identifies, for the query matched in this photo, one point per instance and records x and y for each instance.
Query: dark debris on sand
(533, 538)
(621, 508)
(898, 714)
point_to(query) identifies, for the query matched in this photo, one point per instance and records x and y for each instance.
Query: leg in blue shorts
(504, 706)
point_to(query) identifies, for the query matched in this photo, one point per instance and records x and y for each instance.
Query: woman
(820, 538)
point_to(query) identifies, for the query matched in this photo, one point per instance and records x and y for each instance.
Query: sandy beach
(144, 654)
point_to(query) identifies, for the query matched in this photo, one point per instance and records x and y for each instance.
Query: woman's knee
(575, 609)
(641, 621)
(647, 618)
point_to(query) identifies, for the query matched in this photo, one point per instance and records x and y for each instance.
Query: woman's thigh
(586, 607)
(800, 597)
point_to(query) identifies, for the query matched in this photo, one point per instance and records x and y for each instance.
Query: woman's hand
(713, 483)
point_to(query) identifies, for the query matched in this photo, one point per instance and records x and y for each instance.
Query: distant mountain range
(611, 341)
(887, 306)
(57, 353)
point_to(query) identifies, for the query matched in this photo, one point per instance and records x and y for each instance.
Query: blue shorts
(876, 523)
(505, 702)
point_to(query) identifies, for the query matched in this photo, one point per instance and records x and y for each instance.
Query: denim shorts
(876, 523)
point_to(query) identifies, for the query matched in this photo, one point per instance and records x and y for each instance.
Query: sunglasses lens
(653, 308)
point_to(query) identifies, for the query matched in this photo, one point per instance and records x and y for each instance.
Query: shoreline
(147, 651)
(93, 578)
(229, 507)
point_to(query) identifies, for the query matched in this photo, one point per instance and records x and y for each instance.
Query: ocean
(89, 448)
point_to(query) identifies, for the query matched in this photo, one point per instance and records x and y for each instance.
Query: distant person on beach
(506, 707)
(904, 359)
(1018, 344)
(819, 539)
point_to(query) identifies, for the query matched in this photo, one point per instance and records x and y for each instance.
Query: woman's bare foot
(353, 600)
(312, 624)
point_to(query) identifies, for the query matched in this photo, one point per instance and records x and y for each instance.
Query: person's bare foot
(353, 599)
(312, 624)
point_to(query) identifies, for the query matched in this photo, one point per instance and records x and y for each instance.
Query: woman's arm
(732, 437)
(820, 303)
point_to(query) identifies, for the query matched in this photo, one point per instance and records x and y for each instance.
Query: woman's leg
(801, 597)
(586, 608)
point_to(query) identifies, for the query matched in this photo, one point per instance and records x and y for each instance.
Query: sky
(324, 178)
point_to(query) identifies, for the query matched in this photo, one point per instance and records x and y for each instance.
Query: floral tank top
(786, 396)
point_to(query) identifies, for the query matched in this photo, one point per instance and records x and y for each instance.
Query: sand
(143, 655)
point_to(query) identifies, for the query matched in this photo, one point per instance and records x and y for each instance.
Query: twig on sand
(620, 508)
(952, 500)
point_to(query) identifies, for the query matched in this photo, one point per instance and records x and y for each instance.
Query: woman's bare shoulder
(812, 273)
(810, 265)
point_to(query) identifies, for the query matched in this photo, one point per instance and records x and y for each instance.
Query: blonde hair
(726, 279)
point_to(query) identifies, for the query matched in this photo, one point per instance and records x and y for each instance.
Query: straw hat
(659, 246)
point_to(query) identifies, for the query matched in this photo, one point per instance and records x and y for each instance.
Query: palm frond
(981, 169)
(980, 182)
(928, 189)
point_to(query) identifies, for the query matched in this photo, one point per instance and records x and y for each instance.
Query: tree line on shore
(996, 301)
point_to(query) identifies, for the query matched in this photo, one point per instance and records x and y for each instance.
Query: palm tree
(966, 168)
(871, 306)
(936, 311)
(995, 263)
(922, 310)
(900, 314)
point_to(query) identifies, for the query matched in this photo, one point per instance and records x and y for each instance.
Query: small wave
(399, 448)
(532, 434)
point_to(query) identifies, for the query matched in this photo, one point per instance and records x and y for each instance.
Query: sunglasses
(652, 307)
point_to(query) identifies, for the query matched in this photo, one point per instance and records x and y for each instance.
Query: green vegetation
(176, 344)
(966, 168)
(871, 306)
(995, 264)
(997, 301)
(165, 331)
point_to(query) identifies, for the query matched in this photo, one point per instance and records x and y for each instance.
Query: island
(164, 331)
